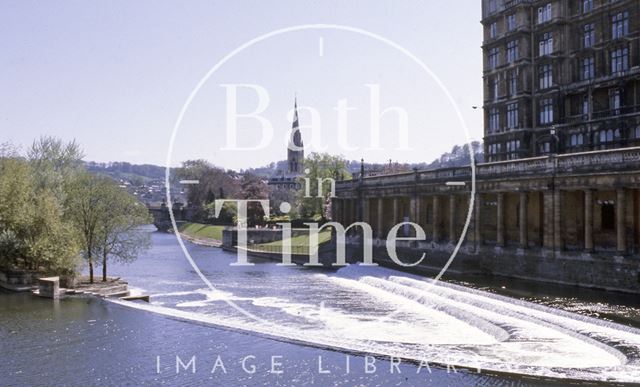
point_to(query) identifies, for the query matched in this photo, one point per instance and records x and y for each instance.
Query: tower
(295, 148)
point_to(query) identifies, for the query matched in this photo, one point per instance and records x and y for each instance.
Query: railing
(611, 114)
(616, 113)
(516, 167)
(611, 159)
(276, 249)
(578, 82)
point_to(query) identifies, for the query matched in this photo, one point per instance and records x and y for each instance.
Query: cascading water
(380, 311)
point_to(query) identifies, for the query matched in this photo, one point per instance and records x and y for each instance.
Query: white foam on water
(134, 291)
(423, 329)
(531, 342)
(442, 328)
(440, 323)
(581, 324)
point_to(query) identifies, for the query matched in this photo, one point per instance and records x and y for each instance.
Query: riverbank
(212, 236)
(19, 281)
(202, 234)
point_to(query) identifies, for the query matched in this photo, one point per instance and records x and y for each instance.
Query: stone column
(588, 220)
(621, 232)
(452, 218)
(335, 203)
(500, 222)
(344, 211)
(396, 211)
(478, 222)
(366, 215)
(347, 212)
(379, 223)
(558, 240)
(436, 218)
(413, 209)
(524, 237)
(354, 211)
(547, 202)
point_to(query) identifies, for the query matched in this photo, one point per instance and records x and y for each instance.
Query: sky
(115, 76)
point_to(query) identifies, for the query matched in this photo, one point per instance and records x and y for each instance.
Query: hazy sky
(115, 75)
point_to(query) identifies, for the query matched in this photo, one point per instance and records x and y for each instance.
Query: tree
(54, 163)
(253, 187)
(119, 235)
(108, 219)
(34, 234)
(213, 183)
(16, 195)
(323, 166)
(279, 195)
(8, 150)
(87, 210)
(459, 156)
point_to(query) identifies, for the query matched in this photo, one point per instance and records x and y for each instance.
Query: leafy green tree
(323, 166)
(253, 187)
(279, 195)
(108, 220)
(34, 233)
(16, 195)
(119, 235)
(214, 183)
(87, 210)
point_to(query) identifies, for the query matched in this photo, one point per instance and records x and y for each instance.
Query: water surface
(300, 314)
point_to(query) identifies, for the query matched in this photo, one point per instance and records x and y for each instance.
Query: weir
(416, 319)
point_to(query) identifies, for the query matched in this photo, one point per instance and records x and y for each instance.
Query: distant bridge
(161, 217)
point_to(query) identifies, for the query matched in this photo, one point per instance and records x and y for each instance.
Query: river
(275, 325)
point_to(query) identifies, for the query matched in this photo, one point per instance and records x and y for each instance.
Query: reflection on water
(356, 309)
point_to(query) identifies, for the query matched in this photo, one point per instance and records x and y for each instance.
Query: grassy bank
(201, 231)
(299, 244)
(207, 232)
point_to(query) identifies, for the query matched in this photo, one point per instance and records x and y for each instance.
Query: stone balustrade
(594, 161)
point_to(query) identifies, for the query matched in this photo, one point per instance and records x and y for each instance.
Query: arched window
(576, 140)
(603, 136)
(637, 132)
(610, 135)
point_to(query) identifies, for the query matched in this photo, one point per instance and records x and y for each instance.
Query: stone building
(558, 199)
(560, 76)
(572, 218)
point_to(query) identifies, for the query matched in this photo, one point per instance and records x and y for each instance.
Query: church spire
(295, 151)
(295, 112)
(296, 136)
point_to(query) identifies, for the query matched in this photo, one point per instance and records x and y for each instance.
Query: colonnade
(585, 219)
